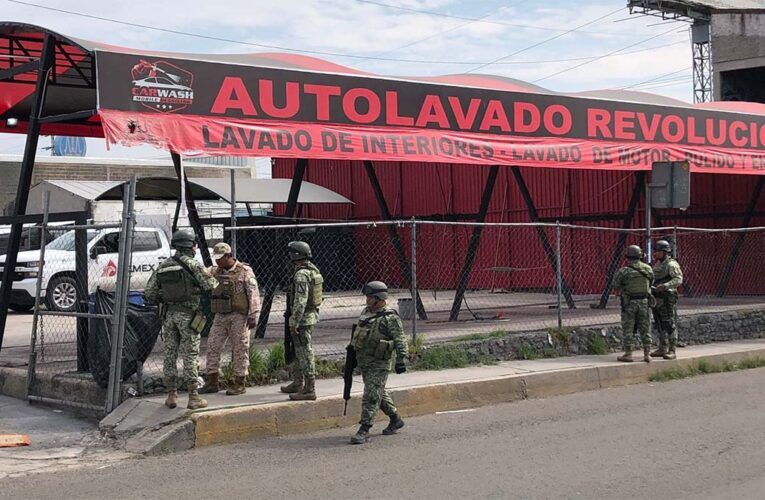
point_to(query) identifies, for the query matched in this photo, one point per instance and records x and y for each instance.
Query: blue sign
(69, 146)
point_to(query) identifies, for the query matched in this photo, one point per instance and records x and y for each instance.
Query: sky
(562, 45)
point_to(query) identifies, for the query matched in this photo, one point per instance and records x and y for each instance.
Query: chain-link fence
(475, 280)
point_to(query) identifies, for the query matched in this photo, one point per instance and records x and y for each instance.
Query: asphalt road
(697, 438)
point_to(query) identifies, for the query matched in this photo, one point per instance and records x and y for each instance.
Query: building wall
(738, 43)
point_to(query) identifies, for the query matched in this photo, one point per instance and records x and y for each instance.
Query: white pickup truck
(150, 247)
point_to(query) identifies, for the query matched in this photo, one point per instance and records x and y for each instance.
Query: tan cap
(220, 250)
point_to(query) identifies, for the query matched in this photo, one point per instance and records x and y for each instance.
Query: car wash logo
(161, 86)
(110, 270)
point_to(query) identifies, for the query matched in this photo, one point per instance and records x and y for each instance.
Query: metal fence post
(121, 292)
(413, 281)
(676, 253)
(558, 273)
(233, 213)
(36, 316)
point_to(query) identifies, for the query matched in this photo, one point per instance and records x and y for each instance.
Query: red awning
(286, 105)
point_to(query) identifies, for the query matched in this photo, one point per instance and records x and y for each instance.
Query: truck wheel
(62, 294)
(20, 307)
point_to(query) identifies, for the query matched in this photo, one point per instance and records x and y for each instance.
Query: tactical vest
(225, 297)
(637, 284)
(369, 342)
(661, 272)
(315, 287)
(176, 284)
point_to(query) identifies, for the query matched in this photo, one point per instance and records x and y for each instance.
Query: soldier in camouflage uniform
(177, 286)
(236, 303)
(634, 281)
(304, 296)
(668, 276)
(378, 335)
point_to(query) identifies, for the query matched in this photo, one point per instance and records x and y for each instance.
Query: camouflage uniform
(668, 273)
(176, 322)
(634, 281)
(233, 325)
(375, 344)
(303, 317)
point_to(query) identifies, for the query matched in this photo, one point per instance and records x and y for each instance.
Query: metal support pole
(398, 246)
(616, 257)
(25, 178)
(81, 292)
(273, 284)
(647, 222)
(233, 212)
(534, 217)
(36, 315)
(122, 290)
(559, 274)
(739, 242)
(475, 240)
(191, 208)
(414, 290)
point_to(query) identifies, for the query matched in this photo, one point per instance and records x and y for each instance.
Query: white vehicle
(150, 247)
(159, 82)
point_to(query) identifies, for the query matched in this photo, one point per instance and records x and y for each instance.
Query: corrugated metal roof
(269, 191)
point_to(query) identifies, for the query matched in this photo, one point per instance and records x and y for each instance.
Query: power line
(501, 23)
(529, 47)
(659, 77)
(289, 49)
(605, 55)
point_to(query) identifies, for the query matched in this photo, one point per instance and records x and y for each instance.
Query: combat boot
(295, 386)
(308, 393)
(660, 352)
(395, 424)
(211, 384)
(195, 402)
(238, 388)
(671, 352)
(362, 435)
(626, 357)
(172, 394)
(647, 354)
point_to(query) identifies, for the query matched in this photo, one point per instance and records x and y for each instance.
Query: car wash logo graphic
(110, 270)
(162, 86)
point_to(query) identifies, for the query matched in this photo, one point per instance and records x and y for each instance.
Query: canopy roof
(287, 105)
(203, 189)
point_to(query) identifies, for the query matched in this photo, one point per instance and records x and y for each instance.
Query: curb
(279, 419)
(13, 382)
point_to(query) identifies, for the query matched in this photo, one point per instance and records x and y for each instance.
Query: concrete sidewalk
(148, 427)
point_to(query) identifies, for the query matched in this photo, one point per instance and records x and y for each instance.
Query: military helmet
(634, 252)
(299, 250)
(663, 246)
(376, 289)
(183, 238)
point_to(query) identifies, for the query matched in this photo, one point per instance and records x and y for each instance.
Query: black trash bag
(141, 332)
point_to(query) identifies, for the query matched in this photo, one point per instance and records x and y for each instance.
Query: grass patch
(598, 345)
(482, 336)
(527, 352)
(703, 366)
(327, 368)
(561, 338)
(446, 356)
(549, 352)
(416, 347)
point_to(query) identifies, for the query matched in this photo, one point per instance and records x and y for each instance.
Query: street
(696, 438)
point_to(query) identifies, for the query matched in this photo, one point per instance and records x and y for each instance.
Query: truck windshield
(65, 242)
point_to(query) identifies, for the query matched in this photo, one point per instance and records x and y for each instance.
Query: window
(146, 241)
(65, 242)
(111, 241)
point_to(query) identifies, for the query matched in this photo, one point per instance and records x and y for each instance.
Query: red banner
(192, 135)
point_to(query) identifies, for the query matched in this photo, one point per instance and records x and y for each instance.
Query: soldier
(236, 303)
(177, 286)
(304, 297)
(634, 281)
(378, 334)
(669, 276)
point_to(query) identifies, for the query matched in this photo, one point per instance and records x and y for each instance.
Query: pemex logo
(110, 270)
(162, 86)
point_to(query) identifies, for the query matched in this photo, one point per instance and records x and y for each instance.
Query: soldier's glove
(252, 323)
(400, 368)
